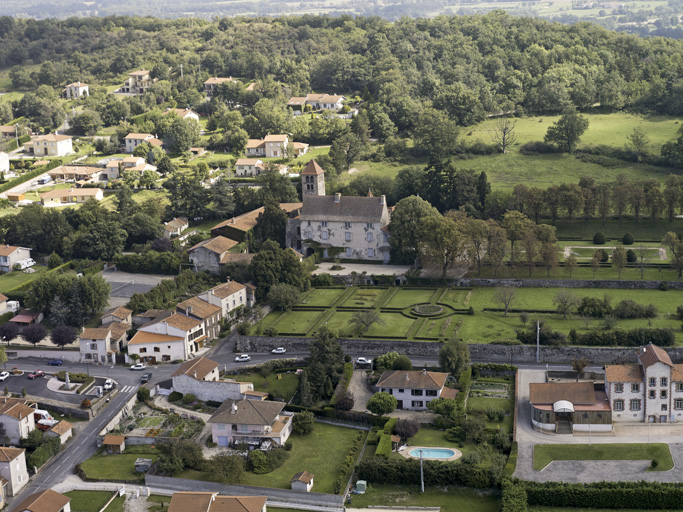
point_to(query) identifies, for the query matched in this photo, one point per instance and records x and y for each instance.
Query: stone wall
(511, 354)
(67, 354)
(568, 283)
(208, 390)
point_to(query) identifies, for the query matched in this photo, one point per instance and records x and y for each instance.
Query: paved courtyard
(125, 284)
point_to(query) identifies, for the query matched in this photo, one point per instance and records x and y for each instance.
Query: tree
(619, 260)
(476, 234)
(504, 134)
(407, 428)
(404, 225)
(638, 142)
(579, 365)
(34, 333)
(382, 403)
(345, 150)
(403, 363)
(63, 335)
(566, 132)
(565, 301)
(54, 261)
(345, 402)
(434, 133)
(531, 246)
(454, 357)
(571, 264)
(675, 246)
(86, 123)
(303, 423)
(515, 224)
(273, 265)
(596, 262)
(549, 256)
(496, 246)
(271, 224)
(228, 469)
(223, 202)
(364, 319)
(283, 296)
(642, 251)
(181, 135)
(304, 391)
(9, 331)
(440, 242)
(504, 296)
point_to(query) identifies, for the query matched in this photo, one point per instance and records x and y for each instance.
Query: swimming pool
(433, 453)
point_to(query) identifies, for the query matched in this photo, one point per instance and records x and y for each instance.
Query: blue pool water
(433, 453)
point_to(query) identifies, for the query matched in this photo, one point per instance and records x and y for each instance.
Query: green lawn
(405, 298)
(564, 509)
(93, 501)
(391, 324)
(482, 402)
(453, 499)
(365, 298)
(18, 277)
(643, 231)
(103, 466)
(431, 437)
(545, 454)
(297, 322)
(322, 296)
(152, 421)
(286, 384)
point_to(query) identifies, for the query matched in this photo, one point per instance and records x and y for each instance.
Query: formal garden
(479, 315)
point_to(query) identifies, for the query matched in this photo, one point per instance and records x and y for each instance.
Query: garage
(223, 441)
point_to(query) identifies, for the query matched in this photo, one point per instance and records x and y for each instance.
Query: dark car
(35, 374)
(55, 362)
(146, 377)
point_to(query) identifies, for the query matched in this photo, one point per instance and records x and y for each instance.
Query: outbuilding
(302, 481)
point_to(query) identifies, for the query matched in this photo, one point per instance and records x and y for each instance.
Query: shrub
(470, 311)
(174, 396)
(54, 261)
(654, 463)
(143, 394)
(456, 435)
(383, 446)
(627, 239)
(259, 462)
(288, 445)
(189, 398)
(599, 238)
(603, 255)
(628, 308)
(407, 428)
(303, 423)
(631, 256)
(663, 287)
(513, 497)
(679, 312)
(390, 425)
(595, 307)
(537, 147)
(85, 404)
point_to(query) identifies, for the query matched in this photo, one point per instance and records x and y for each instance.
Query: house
(251, 422)
(197, 151)
(354, 226)
(272, 146)
(317, 102)
(174, 227)
(75, 172)
(214, 502)
(207, 255)
(227, 296)
(63, 430)
(567, 407)
(413, 390)
(10, 255)
(249, 166)
(13, 469)
(299, 149)
(169, 337)
(238, 227)
(52, 145)
(60, 197)
(133, 140)
(8, 132)
(120, 314)
(17, 417)
(201, 377)
(147, 316)
(3, 303)
(302, 481)
(4, 162)
(651, 390)
(75, 91)
(211, 84)
(183, 113)
(96, 345)
(138, 82)
(45, 501)
(115, 444)
(209, 314)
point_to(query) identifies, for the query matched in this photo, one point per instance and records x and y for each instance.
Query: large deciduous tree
(405, 227)
(382, 403)
(454, 357)
(566, 132)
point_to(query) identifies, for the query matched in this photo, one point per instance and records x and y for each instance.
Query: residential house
(17, 417)
(651, 390)
(45, 501)
(183, 113)
(209, 314)
(147, 316)
(60, 197)
(52, 145)
(133, 140)
(119, 314)
(238, 227)
(251, 422)
(138, 82)
(567, 407)
(413, 390)
(174, 227)
(249, 166)
(302, 481)
(96, 345)
(211, 84)
(208, 255)
(201, 377)
(317, 102)
(10, 255)
(170, 337)
(272, 146)
(227, 296)
(13, 469)
(4, 162)
(75, 91)
(75, 173)
(214, 502)
(8, 132)
(299, 149)
(63, 430)
(114, 444)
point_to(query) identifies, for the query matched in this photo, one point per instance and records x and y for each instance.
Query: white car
(4, 375)
(243, 358)
(363, 360)
(108, 385)
(138, 366)
(279, 350)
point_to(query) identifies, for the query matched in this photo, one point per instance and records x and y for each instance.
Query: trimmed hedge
(390, 425)
(495, 367)
(383, 446)
(513, 498)
(512, 462)
(348, 465)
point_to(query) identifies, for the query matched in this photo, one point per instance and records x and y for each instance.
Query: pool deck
(407, 449)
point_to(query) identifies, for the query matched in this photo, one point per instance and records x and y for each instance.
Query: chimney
(234, 408)
(337, 197)
(188, 310)
(424, 371)
(195, 375)
(382, 199)
(407, 376)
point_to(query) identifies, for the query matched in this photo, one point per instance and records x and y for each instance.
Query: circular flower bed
(427, 309)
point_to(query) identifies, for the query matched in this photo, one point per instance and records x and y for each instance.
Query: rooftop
(44, 501)
(247, 412)
(197, 307)
(651, 354)
(412, 379)
(152, 337)
(113, 440)
(551, 392)
(339, 208)
(218, 244)
(196, 368)
(8, 454)
(226, 289)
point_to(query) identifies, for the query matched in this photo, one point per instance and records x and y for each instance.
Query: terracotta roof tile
(218, 244)
(120, 312)
(152, 337)
(312, 169)
(8, 454)
(651, 354)
(6, 250)
(551, 392)
(623, 373)
(113, 440)
(412, 379)
(45, 501)
(202, 366)
(94, 333)
(304, 477)
(61, 428)
(247, 412)
(226, 289)
(198, 308)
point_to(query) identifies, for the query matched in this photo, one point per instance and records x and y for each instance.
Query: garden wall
(510, 354)
(67, 355)
(569, 283)
(124, 412)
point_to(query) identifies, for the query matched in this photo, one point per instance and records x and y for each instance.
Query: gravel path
(360, 390)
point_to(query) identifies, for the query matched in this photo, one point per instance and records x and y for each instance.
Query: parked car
(363, 360)
(108, 385)
(55, 362)
(138, 366)
(279, 350)
(243, 358)
(4, 375)
(35, 374)
(145, 378)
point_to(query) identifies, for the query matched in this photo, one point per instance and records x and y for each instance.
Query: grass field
(103, 466)
(564, 509)
(17, 278)
(545, 454)
(286, 384)
(323, 296)
(405, 298)
(452, 499)
(93, 501)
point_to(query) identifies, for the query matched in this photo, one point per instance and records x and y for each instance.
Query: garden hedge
(383, 446)
(390, 425)
(512, 462)
(464, 385)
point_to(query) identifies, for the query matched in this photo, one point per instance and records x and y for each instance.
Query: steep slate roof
(651, 354)
(226, 289)
(312, 169)
(248, 412)
(218, 244)
(346, 209)
(8, 454)
(46, 501)
(412, 379)
(551, 392)
(304, 477)
(198, 307)
(624, 373)
(202, 366)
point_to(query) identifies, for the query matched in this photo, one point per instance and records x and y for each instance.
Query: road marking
(127, 389)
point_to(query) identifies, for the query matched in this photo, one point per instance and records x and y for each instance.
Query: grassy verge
(545, 454)
(93, 501)
(103, 466)
(449, 499)
(286, 384)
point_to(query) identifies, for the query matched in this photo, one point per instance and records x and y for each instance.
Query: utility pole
(538, 341)
(422, 476)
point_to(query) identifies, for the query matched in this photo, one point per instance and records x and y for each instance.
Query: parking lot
(125, 284)
(38, 387)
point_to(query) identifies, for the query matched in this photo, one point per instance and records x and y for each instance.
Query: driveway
(360, 390)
